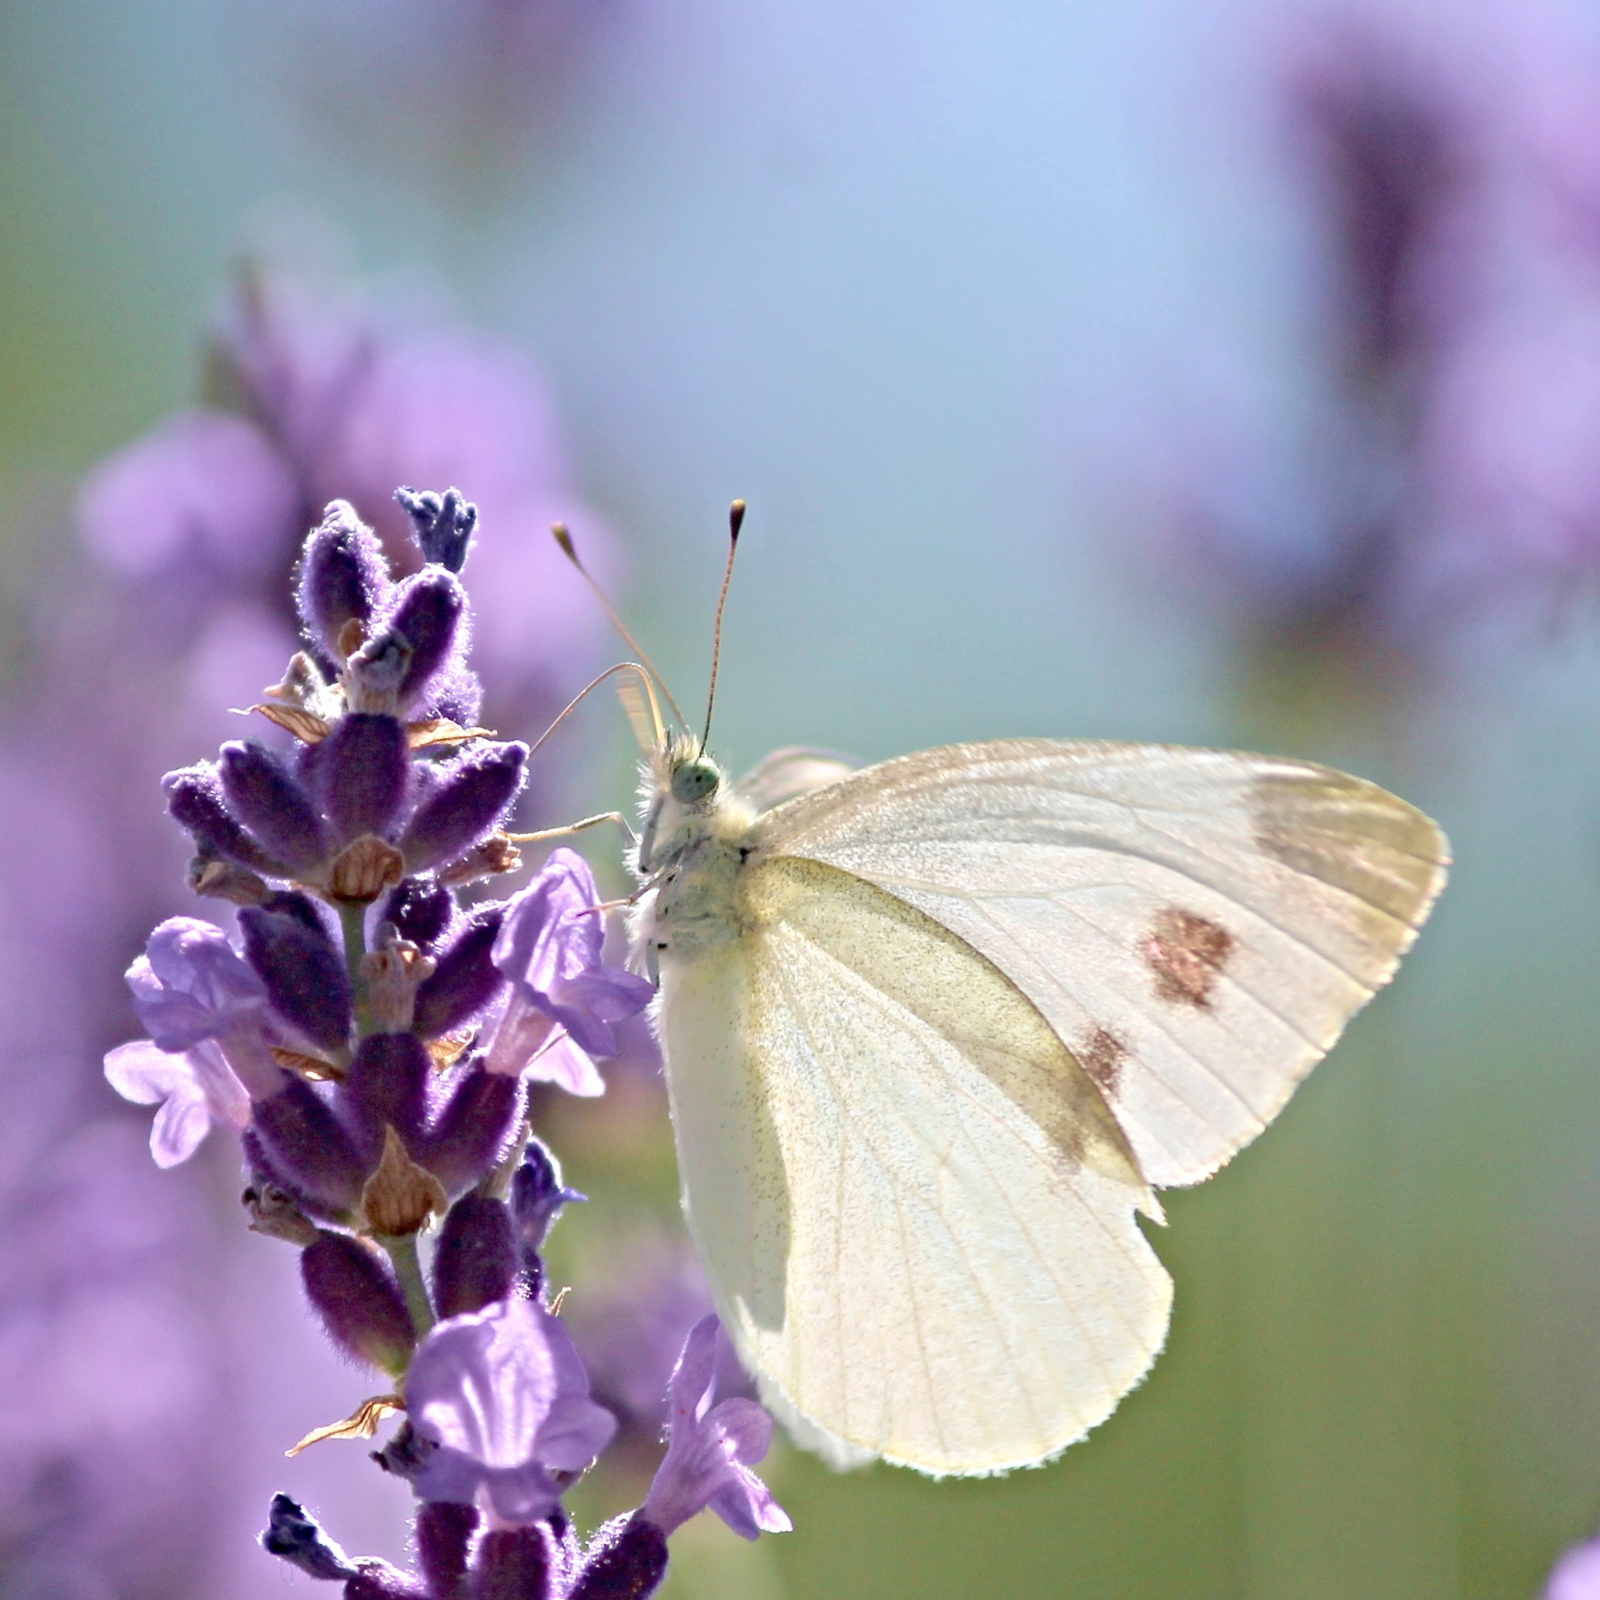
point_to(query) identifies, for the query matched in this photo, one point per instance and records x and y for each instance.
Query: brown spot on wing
(1186, 954)
(1101, 1055)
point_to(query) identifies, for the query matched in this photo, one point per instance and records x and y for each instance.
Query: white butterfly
(937, 1029)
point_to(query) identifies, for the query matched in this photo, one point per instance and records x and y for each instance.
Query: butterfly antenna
(735, 522)
(569, 550)
(593, 684)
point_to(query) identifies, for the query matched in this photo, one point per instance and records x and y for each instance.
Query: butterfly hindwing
(916, 1212)
(1196, 925)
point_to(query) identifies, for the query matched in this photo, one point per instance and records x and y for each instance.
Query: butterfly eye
(692, 782)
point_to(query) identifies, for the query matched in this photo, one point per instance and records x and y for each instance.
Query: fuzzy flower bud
(441, 524)
(475, 1260)
(355, 1292)
(269, 800)
(343, 578)
(474, 792)
(303, 970)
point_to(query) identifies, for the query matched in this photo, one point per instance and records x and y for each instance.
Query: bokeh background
(1209, 373)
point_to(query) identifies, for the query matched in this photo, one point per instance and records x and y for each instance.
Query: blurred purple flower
(1576, 1576)
(711, 1449)
(505, 1397)
(1446, 483)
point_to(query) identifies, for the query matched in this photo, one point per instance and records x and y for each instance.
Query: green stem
(353, 924)
(402, 1251)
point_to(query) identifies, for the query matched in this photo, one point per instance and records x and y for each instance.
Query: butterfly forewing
(917, 1214)
(1196, 925)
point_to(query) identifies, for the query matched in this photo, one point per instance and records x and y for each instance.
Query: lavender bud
(355, 1292)
(537, 1196)
(293, 1535)
(305, 974)
(296, 1139)
(442, 1536)
(420, 910)
(475, 1260)
(361, 771)
(472, 796)
(473, 1129)
(268, 799)
(626, 1560)
(514, 1564)
(195, 802)
(464, 981)
(442, 525)
(387, 1085)
(377, 1580)
(343, 577)
(429, 616)
(456, 693)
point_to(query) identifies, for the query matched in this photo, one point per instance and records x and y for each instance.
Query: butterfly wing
(916, 1212)
(789, 773)
(1197, 925)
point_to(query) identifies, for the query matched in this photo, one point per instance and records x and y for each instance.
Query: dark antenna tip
(735, 522)
(558, 531)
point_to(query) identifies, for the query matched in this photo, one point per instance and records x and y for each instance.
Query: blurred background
(1221, 373)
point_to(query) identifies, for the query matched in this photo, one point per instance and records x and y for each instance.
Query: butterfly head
(682, 791)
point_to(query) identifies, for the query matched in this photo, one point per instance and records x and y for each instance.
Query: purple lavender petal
(550, 945)
(195, 1088)
(191, 985)
(472, 795)
(710, 1451)
(504, 1395)
(1576, 1576)
(268, 799)
(362, 769)
(343, 577)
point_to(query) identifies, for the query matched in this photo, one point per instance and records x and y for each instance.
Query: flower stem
(402, 1252)
(353, 925)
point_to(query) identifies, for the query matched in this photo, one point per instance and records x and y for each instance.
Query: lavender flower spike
(710, 1450)
(504, 1395)
(549, 947)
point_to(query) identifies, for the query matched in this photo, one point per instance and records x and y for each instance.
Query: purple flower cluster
(1446, 484)
(369, 1034)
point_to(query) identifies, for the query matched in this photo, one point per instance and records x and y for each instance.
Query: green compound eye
(693, 782)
